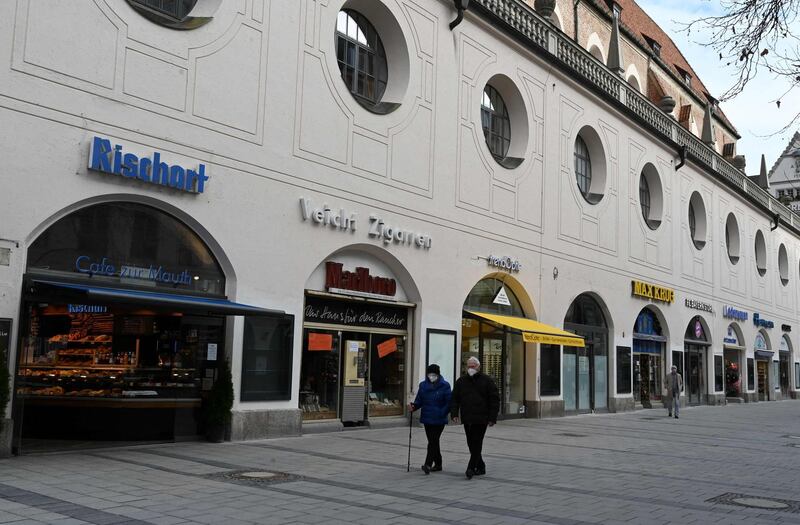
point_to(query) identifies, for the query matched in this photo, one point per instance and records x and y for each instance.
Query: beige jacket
(668, 384)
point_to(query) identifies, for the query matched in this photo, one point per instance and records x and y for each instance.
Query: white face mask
(432, 378)
(472, 371)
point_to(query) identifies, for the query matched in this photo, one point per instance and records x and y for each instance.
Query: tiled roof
(638, 24)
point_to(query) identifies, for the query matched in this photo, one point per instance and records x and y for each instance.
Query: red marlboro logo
(358, 281)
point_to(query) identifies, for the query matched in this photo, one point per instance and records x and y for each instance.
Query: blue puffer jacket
(434, 400)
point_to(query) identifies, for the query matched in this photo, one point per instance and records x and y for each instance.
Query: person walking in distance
(674, 388)
(433, 398)
(475, 403)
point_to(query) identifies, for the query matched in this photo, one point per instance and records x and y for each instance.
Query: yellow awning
(534, 331)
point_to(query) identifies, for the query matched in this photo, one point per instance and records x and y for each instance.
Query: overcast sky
(754, 112)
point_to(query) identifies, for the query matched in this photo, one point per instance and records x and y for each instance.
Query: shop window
(783, 264)
(362, 58)
(650, 196)
(176, 14)
(751, 374)
(718, 374)
(550, 362)
(127, 243)
(732, 238)
(776, 371)
(761, 254)
(697, 221)
(386, 375)
(590, 165)
(797, 376)
(267, 358)
(495, 122)
(441, 350)
(319, 377)
(624, 378)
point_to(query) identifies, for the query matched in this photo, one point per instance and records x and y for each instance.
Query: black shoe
(676, 417)
(469, 473)
(480, 471)
(426, 469)
(436, 468)
(669, 415)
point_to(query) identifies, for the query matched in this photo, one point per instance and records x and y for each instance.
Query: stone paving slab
(638, 467)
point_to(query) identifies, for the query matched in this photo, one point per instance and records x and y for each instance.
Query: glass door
(319, 386)
(577, 380)
(570, 379)
(695, 383)
(492, 352)
(385, 377)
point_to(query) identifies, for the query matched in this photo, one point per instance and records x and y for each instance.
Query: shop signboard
(113, 159)
(698, 305)
(339, 280)
(104, 266)
(786, 327)
(354, 313)
(763, 323)
(504, 263)
(731, 338)
(653, 292)
(502, 297)
(729, 312)
(760, 344)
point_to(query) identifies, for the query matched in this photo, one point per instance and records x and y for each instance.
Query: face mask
(472, 371)
(432, 378)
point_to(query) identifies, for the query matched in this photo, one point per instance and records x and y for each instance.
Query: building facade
(784, 176)
(328, 196)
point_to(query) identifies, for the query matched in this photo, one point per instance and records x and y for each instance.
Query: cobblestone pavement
(639, 467)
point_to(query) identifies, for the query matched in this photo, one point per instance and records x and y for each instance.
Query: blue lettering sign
(732, 313)
(758, 321)
(84, 264)
(111, 159)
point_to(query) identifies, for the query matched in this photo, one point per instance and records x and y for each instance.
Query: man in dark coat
(476, 402)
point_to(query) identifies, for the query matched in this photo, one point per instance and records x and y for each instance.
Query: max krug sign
(652, 292)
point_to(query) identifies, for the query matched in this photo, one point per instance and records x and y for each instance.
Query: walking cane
(410, 422)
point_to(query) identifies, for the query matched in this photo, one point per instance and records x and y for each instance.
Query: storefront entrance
(356, 330)
(123, 330)
(586, 369)
(785, 370)
(695, 347)
(499, 348)
(648, 359)
(764, 375)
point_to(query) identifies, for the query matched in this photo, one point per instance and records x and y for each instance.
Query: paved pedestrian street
(639, 467)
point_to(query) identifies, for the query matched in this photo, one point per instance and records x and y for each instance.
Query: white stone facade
(256, 95)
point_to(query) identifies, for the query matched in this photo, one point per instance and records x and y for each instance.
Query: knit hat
(433, 369)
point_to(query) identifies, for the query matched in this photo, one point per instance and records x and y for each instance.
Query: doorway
(586, 369)
(694, 382)
(762, 369)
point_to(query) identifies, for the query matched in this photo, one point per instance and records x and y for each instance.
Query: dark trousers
(475, 433)
(434, 432)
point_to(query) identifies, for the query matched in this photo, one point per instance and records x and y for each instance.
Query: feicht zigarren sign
(652, 292)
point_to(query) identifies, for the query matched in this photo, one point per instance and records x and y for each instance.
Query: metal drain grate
(572, 435)
(757, 502)
(257, 476)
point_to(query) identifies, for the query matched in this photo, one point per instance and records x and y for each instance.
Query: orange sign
(387, 347)
(320, 342)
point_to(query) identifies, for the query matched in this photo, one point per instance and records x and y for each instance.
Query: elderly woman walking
(433, 398)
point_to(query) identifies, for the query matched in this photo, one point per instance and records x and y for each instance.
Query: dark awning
(141, 297)
(763, 354)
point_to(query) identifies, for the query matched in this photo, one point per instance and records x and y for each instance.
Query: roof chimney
(614, 62)
(708, 126)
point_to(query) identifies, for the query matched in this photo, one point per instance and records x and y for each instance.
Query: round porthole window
(177, 14)
(697, 221)
(761, 254)
(732, 238)
(783, 264)
(651, 196)
(372, 55)
(504, 121)
(590, 165)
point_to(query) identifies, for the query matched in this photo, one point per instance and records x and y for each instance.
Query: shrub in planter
(220, 402)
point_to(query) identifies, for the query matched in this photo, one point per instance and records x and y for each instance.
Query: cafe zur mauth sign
(652, 292)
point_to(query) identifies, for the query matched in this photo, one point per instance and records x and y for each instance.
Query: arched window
(127, 243)
(583, 167)
(483, 295)
(361, 57)
(495, 122)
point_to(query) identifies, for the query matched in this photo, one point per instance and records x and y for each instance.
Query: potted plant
(220, 402)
